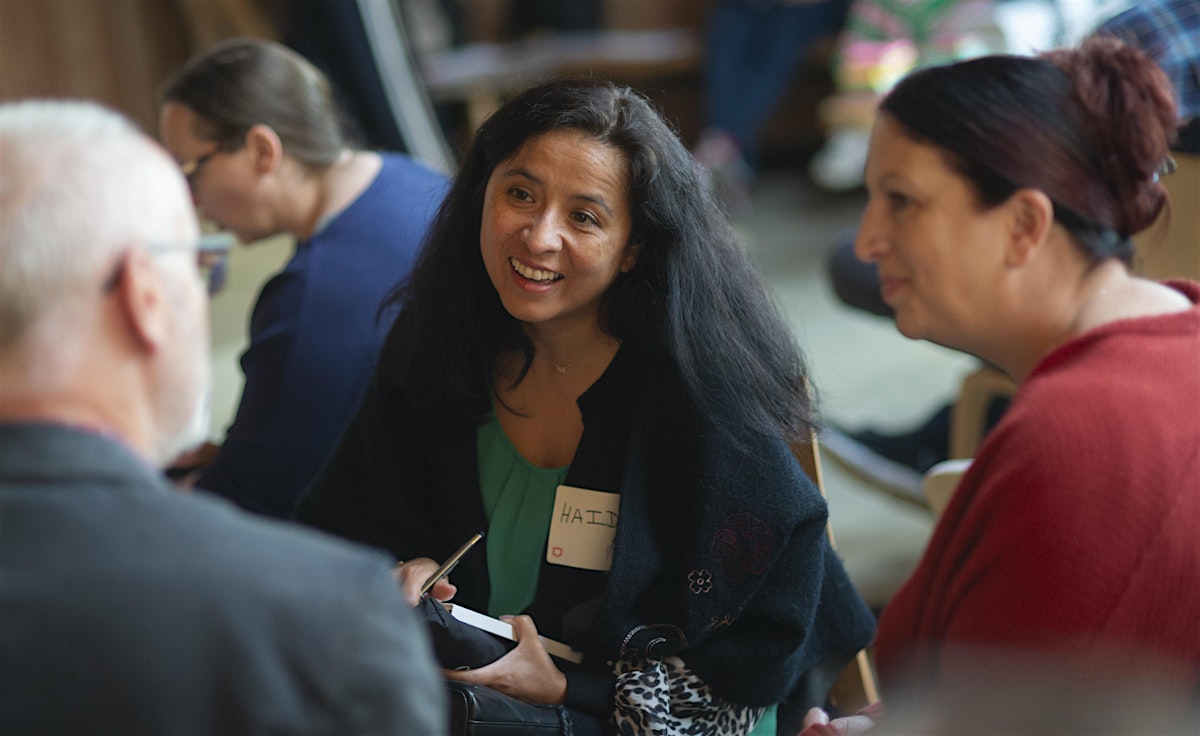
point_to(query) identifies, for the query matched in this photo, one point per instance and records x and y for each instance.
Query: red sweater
(1077, 528)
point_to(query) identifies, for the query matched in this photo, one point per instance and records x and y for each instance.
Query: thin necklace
(562, 368)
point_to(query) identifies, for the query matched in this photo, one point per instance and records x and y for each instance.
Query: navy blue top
(315, 337)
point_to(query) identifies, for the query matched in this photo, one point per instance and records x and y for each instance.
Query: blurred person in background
(255, 130)
(753, 50)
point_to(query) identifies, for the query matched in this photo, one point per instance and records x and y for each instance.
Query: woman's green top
(518, 500)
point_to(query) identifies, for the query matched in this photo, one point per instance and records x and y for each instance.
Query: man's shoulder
(268, 543)
(192, 559)
(92, 502)
(261, 611)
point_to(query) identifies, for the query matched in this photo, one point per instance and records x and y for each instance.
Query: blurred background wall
(119, 52)
(114, 51)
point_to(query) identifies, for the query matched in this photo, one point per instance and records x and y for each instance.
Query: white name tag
(583, 528)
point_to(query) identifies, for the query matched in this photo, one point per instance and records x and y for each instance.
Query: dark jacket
(128, 607)
(720, 556)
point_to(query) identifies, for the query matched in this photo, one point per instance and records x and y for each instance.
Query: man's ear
(265, 148)
(1031, 217)
(143, 300)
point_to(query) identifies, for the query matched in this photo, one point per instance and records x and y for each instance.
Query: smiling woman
(584, 327)
(555, 231)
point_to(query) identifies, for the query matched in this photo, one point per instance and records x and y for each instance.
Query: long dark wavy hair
(693, 297)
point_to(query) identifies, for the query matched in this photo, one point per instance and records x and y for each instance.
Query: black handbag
(476, 710)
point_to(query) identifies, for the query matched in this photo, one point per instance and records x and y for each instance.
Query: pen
(448, 565)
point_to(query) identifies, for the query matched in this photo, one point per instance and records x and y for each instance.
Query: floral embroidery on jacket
(744, 545)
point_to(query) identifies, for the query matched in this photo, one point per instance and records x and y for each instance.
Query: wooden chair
(855, 687)
(968, 425)
(1171, 247)
(968, 417)
(941, 480)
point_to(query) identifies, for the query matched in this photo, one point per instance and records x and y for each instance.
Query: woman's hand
(817, 723)
(412, 575)
(526, 673)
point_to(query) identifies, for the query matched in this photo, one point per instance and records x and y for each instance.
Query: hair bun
(1129, 115)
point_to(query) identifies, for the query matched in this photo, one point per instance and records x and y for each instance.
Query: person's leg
(898, 462)
(730, 26)
(754, 51)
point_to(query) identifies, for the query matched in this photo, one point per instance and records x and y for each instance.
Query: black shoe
(920, 450)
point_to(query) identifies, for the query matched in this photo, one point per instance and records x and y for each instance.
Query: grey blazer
(127, 607)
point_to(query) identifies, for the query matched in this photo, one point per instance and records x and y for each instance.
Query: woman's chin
(909, 327)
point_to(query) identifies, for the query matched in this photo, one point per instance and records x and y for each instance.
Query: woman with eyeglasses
(255, 130)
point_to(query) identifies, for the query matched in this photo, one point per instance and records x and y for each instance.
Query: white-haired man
(126, 606)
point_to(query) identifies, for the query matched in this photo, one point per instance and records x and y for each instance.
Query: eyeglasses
(212, 255)
(191, 168)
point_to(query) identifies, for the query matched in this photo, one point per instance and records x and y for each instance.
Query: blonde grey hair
(78, 184)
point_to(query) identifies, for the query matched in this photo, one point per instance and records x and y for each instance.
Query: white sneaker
(838, 166)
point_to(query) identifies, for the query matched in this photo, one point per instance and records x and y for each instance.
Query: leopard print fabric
(665, 698)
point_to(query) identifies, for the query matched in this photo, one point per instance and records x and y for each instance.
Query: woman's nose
(869, 242)
(543, 234)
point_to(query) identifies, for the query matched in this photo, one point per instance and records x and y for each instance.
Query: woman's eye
(898, 201)
(521, 194)
(583, 218)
